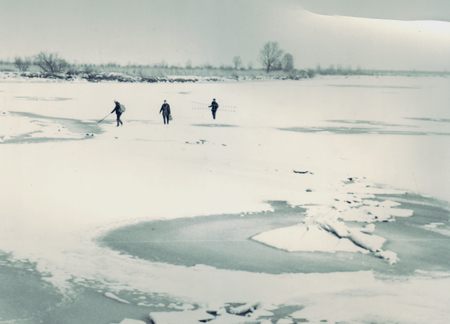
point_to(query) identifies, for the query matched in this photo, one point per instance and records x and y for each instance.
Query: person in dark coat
(165, 110)
(214, 106)
(118, 111)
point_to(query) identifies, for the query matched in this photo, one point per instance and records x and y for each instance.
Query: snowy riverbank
(96, 77)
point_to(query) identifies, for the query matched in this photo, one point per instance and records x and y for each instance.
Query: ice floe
(112, 296)
(249, 313)
(324, 227)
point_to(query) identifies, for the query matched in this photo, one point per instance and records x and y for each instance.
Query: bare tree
(237, 62)
(287, 62)
(22, 64)
(50, 63)
(270, 54)
(189, 64)
(250, 65)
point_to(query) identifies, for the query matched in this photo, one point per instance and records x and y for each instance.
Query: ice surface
(58, 197)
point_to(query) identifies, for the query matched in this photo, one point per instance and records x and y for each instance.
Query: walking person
(214, 106)
(165, 109)
(119, 109)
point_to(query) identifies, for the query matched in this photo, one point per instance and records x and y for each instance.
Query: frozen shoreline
(62, 195)
(96, 77)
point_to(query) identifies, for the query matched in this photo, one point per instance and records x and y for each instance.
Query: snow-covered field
(328, 145)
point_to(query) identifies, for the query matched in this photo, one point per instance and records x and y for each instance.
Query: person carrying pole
(119, 109)
(165, 109)
(214, 106)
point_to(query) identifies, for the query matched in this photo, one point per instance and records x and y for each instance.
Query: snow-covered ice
(60, 191)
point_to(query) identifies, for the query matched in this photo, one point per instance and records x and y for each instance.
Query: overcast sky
(382, 34)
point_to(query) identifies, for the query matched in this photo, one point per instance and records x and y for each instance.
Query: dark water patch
(358, 130)
(213, 125)
(224, 242)
(416, 246)
(371, 86)
(73, 125)
(87, 128)
(90, 306)
(439, 120)
(286, 310)
(27, 139)
(43, 98)
(418, 199)
(412, 133)
(24, 296)
(368, 122)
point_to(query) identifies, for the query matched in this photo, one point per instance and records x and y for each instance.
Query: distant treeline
(150, 73)
(111, 71)
(339, 70)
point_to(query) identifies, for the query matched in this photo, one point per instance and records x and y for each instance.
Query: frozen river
(84, 204)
